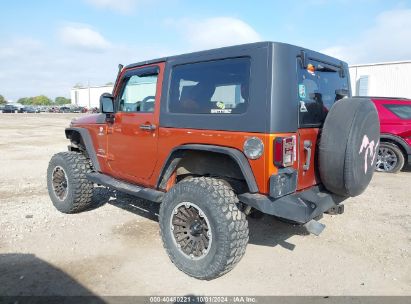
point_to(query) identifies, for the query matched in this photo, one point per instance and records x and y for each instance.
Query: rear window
(402, 111)
(319, 86)
(214, 87)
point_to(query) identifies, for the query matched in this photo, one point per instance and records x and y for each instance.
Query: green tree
(62, 100)
(41, 100)
(2, 100)
(25, 101)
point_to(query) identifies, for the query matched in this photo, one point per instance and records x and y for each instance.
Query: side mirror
(106, 103)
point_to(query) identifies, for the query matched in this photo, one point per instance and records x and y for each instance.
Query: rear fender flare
(177, 154)
(398, 140)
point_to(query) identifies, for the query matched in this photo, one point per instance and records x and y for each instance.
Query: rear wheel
(390, 158)
(203, 231)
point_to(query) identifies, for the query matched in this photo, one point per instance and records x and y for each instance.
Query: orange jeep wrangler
(217, 135)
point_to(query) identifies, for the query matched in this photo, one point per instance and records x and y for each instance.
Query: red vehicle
(395, 147)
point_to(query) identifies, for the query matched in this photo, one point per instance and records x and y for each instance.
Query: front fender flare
(88, 143)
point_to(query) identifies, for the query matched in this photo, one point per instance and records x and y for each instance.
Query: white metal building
(390, 79)
(89, 97)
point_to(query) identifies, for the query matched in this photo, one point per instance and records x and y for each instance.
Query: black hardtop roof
(226, 51)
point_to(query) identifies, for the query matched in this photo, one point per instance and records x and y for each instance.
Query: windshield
(319, 86)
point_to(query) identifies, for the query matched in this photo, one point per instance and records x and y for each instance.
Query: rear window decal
(220, 105)
(303, 108)
(220, 111)
(301, 91)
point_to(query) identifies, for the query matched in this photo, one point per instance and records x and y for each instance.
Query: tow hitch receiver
(314, 227)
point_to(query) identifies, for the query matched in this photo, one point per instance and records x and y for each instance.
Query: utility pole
(89, 98)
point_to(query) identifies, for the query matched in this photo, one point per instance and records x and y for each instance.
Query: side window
(138, 94)
(402, 111)
(214, 87)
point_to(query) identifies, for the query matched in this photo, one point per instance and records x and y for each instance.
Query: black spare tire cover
(348, 146)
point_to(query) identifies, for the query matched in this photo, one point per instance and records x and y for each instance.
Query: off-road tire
(229, 226)
(398, 153)
(79, 190)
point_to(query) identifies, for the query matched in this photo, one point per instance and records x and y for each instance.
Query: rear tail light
(284, 151)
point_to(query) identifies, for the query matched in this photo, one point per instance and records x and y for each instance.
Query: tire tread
(77, 166)
(236, 239)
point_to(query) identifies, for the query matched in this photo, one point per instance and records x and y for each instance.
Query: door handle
(148, 127)
(307, 148)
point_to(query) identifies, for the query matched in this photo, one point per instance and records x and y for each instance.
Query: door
(132, 137)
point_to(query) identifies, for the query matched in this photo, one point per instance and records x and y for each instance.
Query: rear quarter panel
(169, 138)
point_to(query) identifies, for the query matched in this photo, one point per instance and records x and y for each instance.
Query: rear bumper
(299, 207)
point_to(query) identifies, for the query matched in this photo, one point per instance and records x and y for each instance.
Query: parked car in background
(30, 109)
(1, 108)
(9, 108)
(395, 144)
(65, 110)
(77, 109)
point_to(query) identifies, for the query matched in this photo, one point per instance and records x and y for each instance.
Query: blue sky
(48, 46)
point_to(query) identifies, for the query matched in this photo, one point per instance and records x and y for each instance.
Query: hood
(89, 119)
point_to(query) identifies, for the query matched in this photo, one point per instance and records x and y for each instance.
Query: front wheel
(203, 232)
(390, 158)
(69, 189)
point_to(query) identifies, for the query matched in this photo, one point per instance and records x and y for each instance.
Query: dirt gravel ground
(116, 249)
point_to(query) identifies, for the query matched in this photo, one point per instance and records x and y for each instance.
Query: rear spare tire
(348, 146)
